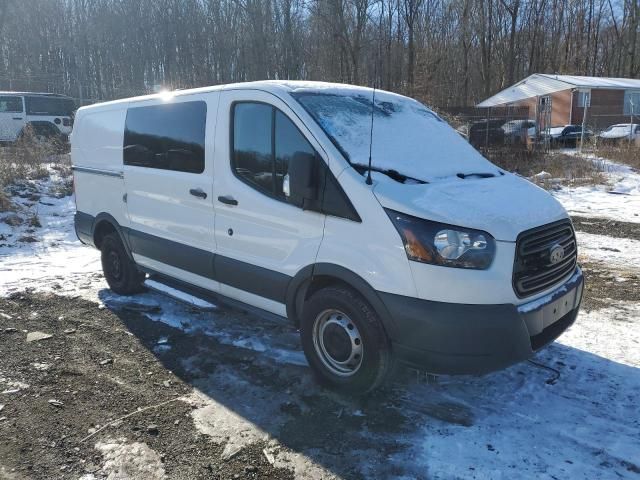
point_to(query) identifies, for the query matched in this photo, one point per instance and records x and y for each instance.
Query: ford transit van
(360, 216)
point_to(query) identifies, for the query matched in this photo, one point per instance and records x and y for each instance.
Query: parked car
(621, 132)
(487, 133)
(567, 135)
(263, 193)
(46, 113)
(518, 131)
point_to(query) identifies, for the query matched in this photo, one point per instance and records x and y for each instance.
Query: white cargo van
(48, 114)
(259, 193)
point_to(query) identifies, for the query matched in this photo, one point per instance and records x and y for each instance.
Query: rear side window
(11, 104)
(168, 136)
(264, 143)
(49, 106)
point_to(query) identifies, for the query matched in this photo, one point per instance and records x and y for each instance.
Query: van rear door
(262, 239)
(168, 176)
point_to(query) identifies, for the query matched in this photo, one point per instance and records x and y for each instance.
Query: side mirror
(300, 185)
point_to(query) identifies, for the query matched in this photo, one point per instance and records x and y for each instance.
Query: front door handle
(228, 199)
(17, 118)
(197, 192)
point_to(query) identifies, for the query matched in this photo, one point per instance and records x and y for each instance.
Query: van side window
(11, 104)
(252, 145)
(264, 142)
(289, 141)
(168, 136)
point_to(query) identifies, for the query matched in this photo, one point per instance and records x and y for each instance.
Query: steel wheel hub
(338, 343)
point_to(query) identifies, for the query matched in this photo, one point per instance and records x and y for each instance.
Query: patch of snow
(57, 262)
(620, 252)
(130, 461)
(618, 201)
(179, 295)
(542, 175)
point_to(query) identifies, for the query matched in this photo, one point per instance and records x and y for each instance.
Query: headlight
(440, 244)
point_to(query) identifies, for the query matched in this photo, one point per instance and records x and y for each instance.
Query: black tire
(119, 270)
(376, 362)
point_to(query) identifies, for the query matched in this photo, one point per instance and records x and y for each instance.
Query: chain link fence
(494, 127)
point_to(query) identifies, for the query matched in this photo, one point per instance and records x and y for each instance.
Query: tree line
(445, 52)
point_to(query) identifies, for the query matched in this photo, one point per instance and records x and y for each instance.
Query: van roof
(271, 86)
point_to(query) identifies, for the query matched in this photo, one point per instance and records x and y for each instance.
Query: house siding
(560, 107)
(607, 108)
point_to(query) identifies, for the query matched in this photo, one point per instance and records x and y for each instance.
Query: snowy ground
(580, 420)
(619, 200)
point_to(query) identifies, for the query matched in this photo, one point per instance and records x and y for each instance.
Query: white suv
(48, 114)
(372, 225)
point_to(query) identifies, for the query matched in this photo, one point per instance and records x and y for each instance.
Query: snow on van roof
(272, 86)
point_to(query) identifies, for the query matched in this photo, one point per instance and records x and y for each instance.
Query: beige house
(555, 100)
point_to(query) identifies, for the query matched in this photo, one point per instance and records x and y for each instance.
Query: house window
(584, 99)
(632, 102)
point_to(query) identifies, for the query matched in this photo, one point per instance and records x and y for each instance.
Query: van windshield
(408, 138)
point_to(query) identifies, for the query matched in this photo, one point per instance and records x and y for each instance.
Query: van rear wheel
(119, 270)
(344, 341)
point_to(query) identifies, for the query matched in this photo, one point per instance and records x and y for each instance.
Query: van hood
(503, 206)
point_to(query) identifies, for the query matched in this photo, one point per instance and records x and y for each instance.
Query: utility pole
(630, 120)
(587, 100)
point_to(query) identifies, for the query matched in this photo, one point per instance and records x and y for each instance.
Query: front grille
(533, 270)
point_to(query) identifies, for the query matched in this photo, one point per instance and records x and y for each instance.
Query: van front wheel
(119, 270)
(344, 341)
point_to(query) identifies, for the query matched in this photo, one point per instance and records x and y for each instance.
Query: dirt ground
(99, 366)
(603, 226)
(102, 364)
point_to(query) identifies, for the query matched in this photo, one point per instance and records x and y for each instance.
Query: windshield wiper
(477, 175)
(393, 174)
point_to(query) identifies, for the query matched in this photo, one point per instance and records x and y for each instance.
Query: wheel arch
(105, 224)
(319, 275)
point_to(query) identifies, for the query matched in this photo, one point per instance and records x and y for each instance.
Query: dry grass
(626, 153)
(27, 159)
(5, 202)
(562, 169)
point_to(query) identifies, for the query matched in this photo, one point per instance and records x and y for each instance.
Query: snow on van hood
(504, 205)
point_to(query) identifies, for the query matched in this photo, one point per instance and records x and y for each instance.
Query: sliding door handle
(198, 192)
(228, 199)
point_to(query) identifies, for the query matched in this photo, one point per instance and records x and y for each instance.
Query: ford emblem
(556, 254)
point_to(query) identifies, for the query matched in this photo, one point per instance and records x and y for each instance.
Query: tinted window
(10, 104)
(289, 142)
(252, 144)
(265, 142)
(49, 106)
(169, 136)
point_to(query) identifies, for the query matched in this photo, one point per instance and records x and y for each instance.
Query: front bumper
(449, 338)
